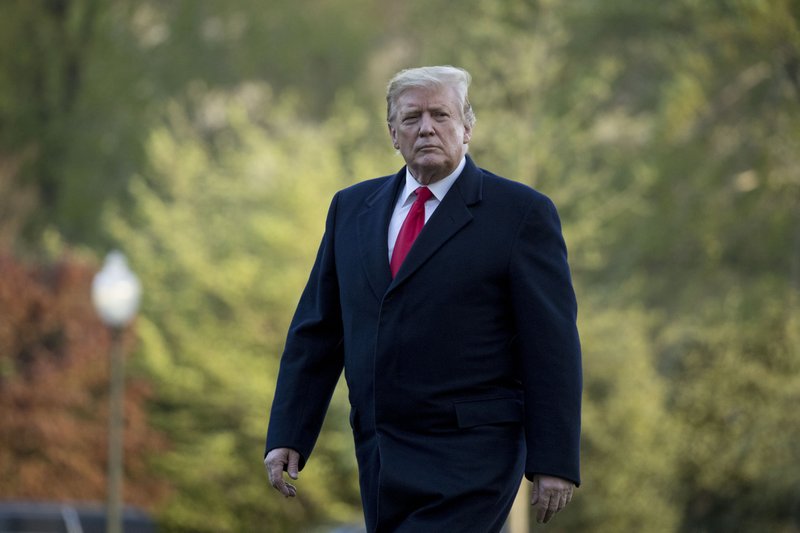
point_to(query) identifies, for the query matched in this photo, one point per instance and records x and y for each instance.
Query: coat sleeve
(313, 358)
(545, 312)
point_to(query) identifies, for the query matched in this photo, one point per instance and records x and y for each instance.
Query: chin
(427, 174)
(431, 162)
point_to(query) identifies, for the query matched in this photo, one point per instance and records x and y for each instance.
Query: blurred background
(205, 139)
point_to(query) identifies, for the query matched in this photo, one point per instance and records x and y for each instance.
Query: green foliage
(626, 486)
(69, 109)
(225, 227)
(736, 381)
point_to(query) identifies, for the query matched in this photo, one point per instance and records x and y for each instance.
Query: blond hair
(428, 78)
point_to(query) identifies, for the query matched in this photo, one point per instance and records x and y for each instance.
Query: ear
(393, 134)
(467, 134)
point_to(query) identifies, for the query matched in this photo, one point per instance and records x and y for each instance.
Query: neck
(428, 178)
(426, 175)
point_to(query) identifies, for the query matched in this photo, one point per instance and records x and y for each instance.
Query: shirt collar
(439, 188)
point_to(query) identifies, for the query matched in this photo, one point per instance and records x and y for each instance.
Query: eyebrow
(415, 108)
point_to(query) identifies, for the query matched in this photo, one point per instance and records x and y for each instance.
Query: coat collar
(451, 215)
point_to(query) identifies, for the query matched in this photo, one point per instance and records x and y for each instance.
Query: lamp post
(115, 294)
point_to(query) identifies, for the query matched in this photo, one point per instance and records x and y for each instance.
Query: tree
(225, 228)
(70, 110)
(54, 392)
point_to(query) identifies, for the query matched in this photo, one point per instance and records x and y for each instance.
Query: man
(444, 293)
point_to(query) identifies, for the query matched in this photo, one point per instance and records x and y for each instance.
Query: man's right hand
(276, 462)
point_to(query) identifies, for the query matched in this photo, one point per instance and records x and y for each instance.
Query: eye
(410, 119)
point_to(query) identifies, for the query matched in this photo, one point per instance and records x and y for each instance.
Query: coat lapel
(373, 225)
(451, 215)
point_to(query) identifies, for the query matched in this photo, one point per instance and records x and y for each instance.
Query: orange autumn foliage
(54, 368)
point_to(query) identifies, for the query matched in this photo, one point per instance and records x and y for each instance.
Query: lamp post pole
(115, 294)
(116, 423)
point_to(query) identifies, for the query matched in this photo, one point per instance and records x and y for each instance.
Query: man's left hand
(550, 495)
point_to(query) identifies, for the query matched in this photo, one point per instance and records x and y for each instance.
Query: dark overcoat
(464, 371)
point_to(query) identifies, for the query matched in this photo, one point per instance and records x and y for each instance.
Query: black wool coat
(464, 371)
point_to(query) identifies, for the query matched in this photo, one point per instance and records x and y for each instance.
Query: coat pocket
(471, 413)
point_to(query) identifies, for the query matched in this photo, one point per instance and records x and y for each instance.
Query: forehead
(424, 97)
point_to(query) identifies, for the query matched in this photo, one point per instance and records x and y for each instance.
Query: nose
(426, 125)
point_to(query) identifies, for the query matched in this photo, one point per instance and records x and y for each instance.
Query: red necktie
(411, 227)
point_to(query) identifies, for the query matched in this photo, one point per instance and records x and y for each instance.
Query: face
(428, 130)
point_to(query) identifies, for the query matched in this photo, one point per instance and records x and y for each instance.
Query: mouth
(427, 148)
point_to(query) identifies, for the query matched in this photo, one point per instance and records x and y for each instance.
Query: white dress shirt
(407, 197)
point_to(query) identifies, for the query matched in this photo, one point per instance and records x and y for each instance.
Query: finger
(294, 462)
(287, 489)
(542, 505)
(276, 477)
(290, 490)
(552, 507)
(562, 502)
(268, 467)
(275, 470)
(548, 514)
(535, 491)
